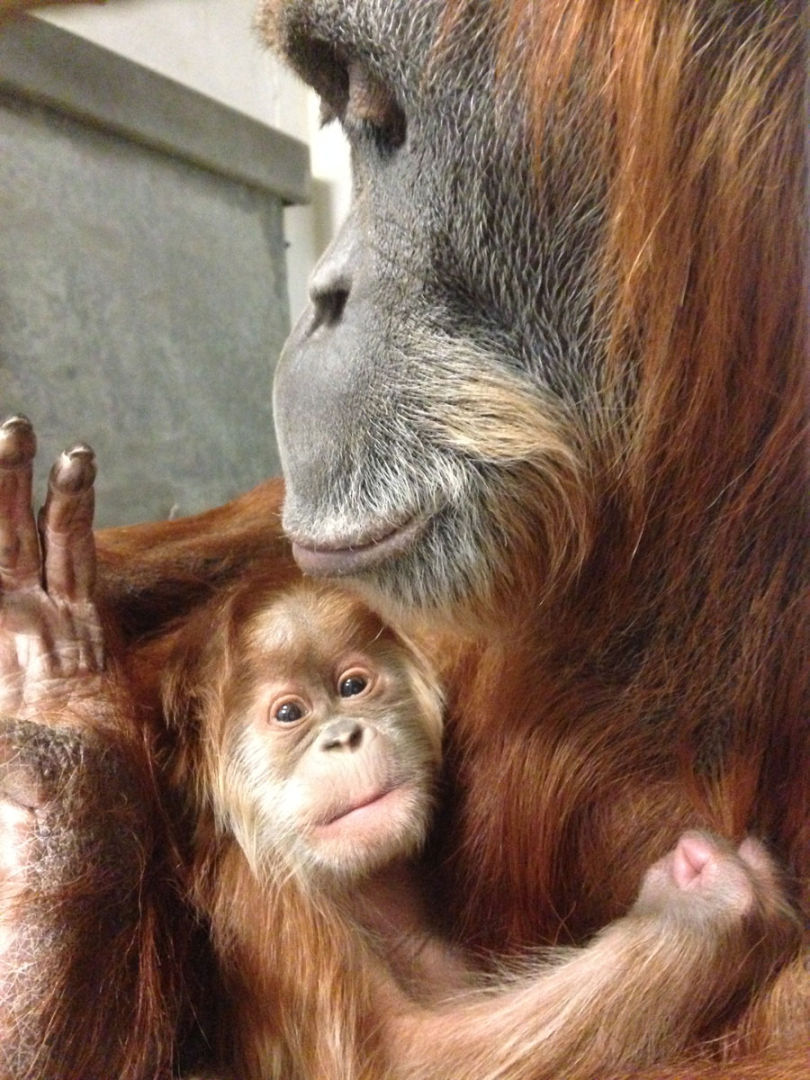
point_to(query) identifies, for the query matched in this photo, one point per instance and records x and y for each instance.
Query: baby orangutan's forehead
(306, 629)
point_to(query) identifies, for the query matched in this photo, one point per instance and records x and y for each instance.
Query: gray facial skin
(431, 322)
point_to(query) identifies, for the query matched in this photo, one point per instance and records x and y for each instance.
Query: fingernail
(80, 452)
(18, 443)
(16, 421)
(75, 469)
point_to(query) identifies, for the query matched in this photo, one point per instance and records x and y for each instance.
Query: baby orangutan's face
(332, 740)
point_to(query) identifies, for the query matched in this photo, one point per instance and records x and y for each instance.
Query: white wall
(210, 45)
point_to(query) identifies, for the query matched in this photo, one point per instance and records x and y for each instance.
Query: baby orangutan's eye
(288, 711)
(352, 684)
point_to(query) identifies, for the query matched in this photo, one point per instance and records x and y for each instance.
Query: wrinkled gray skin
(409, 296)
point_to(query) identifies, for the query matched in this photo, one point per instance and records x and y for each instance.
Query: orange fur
(664, 684)
(311, 993)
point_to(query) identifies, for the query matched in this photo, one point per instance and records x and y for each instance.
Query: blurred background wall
(158, 222)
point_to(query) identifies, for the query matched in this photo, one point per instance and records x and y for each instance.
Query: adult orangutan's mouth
(340, 561)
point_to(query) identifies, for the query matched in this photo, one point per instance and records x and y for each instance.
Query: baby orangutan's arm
(709, 924)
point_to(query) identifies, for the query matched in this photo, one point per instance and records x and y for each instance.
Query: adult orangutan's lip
(338, 562)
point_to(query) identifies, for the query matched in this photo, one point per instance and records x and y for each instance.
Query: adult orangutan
(550, 395)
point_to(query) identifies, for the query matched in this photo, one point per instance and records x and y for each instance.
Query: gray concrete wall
(142, 284)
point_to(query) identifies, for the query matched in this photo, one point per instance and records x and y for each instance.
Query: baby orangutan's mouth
(359, 808)
(325, 561)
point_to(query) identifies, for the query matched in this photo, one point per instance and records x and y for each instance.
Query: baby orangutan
(309, 733)
(312, 734)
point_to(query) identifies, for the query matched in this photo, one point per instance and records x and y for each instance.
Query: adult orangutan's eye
(372, 111)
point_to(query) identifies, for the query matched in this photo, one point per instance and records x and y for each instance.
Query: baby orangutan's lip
(341, 561)
(357, 808)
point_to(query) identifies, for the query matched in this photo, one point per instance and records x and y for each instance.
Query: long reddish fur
(668, 686)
